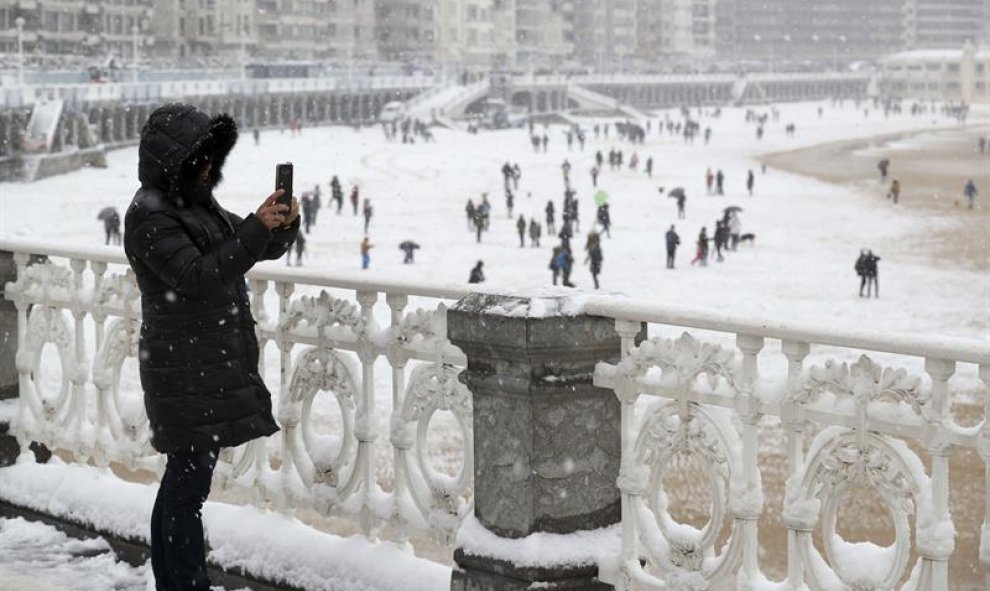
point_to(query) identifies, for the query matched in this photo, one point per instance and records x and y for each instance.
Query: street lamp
(19, 23)
(134, 49)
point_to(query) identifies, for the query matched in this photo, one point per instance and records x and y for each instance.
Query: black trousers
(178, 551)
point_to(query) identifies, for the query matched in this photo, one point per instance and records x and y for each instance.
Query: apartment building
(464, 32)
(404, 30)
(77, 27)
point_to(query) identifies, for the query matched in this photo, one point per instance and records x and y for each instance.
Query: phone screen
(283, 180)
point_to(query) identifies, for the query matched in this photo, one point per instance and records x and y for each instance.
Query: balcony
(608, 403)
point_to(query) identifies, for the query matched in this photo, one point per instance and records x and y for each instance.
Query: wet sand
(932, 168)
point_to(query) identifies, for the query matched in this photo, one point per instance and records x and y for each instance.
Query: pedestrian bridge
(578, 429)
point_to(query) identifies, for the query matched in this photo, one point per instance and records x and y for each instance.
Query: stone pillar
(546, 441)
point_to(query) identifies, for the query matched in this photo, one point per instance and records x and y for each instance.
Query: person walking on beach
(673, 240)
(300, 248)
(750, 181)
(866, 268)
(565, 262)
(198, 352)
(895, 190)
(701, 255)
(709, 180)
(368, 212)
(535, 231)
(883, 166)
(477, 274)
(970, 192)
(366, 247)
(720, 182)
(355, 199)
(521, 229)
(551, 224)
(594, 257)
(469, 210)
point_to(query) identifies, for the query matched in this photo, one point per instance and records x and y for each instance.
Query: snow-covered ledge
(546, 442)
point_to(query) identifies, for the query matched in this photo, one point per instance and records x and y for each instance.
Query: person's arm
(281, 238)
(161, 242)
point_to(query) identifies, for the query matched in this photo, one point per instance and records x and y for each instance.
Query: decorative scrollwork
(840, 460)
(431, 325)
(323, 311)
(38, 282)
(864, 381)
(48, 414)
(674, 548)
(321, 459)
(125, 418)
(442, 501)
(681, 362)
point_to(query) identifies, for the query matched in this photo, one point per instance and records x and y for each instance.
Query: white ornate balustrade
(683, 395)
(86, 304)
(868, 411)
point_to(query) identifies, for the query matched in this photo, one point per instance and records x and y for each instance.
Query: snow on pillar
(547, 442)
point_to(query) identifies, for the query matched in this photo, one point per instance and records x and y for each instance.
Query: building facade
(404, 30)
(77, 27)
(938, 74)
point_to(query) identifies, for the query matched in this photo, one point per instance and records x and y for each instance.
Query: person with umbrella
(679, 194)
(111, 224)
(409, 247)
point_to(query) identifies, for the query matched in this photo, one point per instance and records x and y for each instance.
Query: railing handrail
(357, 282)
(948, 348)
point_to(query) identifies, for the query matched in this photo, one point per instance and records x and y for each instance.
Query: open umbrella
(408, 245)
(106, 213)
(601, 198)
(731, 209)
(676, 193)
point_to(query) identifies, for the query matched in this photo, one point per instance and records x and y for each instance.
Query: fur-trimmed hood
(174, 143)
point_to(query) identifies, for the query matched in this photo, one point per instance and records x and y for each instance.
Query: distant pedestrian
(970, 192)
(510, 200)
(300, 249)
(516, 175)
(605, 219)
(535, 231)
(551, 223)
(701, 254)
(111, 225)
(408, 247)
(521, 228)
(750, 181)
(565, 262)
(469, 210)
(594, 257)
(594, 176)
(735, 230)
(366, 247)
(477, 273)
(257, 136)
(883, 166)
(649, 167)
(720, 182)
(673, 240)
(721, 238)
(983, 145)
(895, 190)
(368, 212)
(866, 268)
(709, 180)
(355, 199)
(545, 141)
(306, 203)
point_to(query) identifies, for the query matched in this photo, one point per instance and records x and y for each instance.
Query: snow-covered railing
(332, 345)
(699, 397)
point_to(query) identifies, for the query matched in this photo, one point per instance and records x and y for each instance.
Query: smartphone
(283, 180)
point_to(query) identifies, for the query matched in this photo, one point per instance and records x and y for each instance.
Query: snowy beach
(807, 231)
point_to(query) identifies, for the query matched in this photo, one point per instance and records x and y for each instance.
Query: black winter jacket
(198, 349)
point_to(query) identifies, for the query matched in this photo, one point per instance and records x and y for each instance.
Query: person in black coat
(673, 240)
(477, 275)
(866, 268)
(198, 356)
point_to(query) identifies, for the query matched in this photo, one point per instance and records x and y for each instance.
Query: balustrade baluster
(940, 371)
(21, 304)
(628, 331)
(747, 406)
(260, 314)
(99, 314)
(397, 358)
(793, 420)
(78, 373)
(284, 290)
(365, 430)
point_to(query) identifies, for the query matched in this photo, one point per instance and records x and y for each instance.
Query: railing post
(547, 442)
(983, 448)
(9, 380)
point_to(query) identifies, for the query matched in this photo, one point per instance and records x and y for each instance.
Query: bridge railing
(697, 403)
(358, 375)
